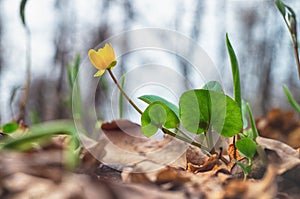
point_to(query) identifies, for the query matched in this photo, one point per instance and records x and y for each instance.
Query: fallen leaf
(232, 151)
(208, 165)
(195, 156)
(173, 175)
(286, 157)
(265, 188)
(287, 162)
(124, 145)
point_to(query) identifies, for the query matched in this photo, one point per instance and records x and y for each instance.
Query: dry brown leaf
(129, 176)
(294, 138)
(23, 186)
(47, 164)
(149, 168)
(232, 151)
(172, 175)
(195, 156)
(124, 145)
(252, 189)
(288, 164)
(286, 157)
(208, 165)
(280, 125)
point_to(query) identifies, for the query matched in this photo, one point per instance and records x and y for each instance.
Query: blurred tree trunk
(1, 45)
(221, 46)
(63, 47)
(1, 54)
(194, 34)
(128, 18)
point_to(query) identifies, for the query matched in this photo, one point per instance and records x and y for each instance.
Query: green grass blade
(74, 87)
(22, 11)
(291, 99)
(40, 132)
(235, 73)
(121, 98)
(254, 129)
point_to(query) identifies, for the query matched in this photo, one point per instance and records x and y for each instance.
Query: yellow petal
(108, 54)
(99, 73)
(96, 59)
(112, 53)
(103, 58)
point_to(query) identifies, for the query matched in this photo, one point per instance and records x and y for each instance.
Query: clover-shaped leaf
(203, 109)
(154, 98)
(213, 86)
(158, 115)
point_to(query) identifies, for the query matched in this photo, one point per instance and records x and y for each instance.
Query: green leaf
(246, 147)
(203, 109)
(153, 98)
(289, 17)
(247, 133)
(73, 69)
(280, 6)
(235, 73)
(242, 135)
(74, 87)
(245, 167)
(213, 86)
(39, 133)
(22, 11)
(158, 115)
(10, 127)
(253, 125)
(290, 20)
(291, 99)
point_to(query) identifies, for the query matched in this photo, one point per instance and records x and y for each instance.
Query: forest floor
(151, 168)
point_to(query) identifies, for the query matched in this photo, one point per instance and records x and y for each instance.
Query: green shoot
(291, 99)
(289, 17)
(254, 129)
(121, 98)
(235, 73)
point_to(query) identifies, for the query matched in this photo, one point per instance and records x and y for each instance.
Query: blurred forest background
(60, 29)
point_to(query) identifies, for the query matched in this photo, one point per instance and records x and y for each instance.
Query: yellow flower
(102, 59)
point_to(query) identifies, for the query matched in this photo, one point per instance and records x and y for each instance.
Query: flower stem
(123, 92)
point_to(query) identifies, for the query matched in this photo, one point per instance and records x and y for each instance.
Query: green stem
(123, 92)
(186, 139)
(210, 141)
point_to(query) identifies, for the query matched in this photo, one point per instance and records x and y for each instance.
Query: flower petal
(102, 59)
(108, 54)
(96, 59)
